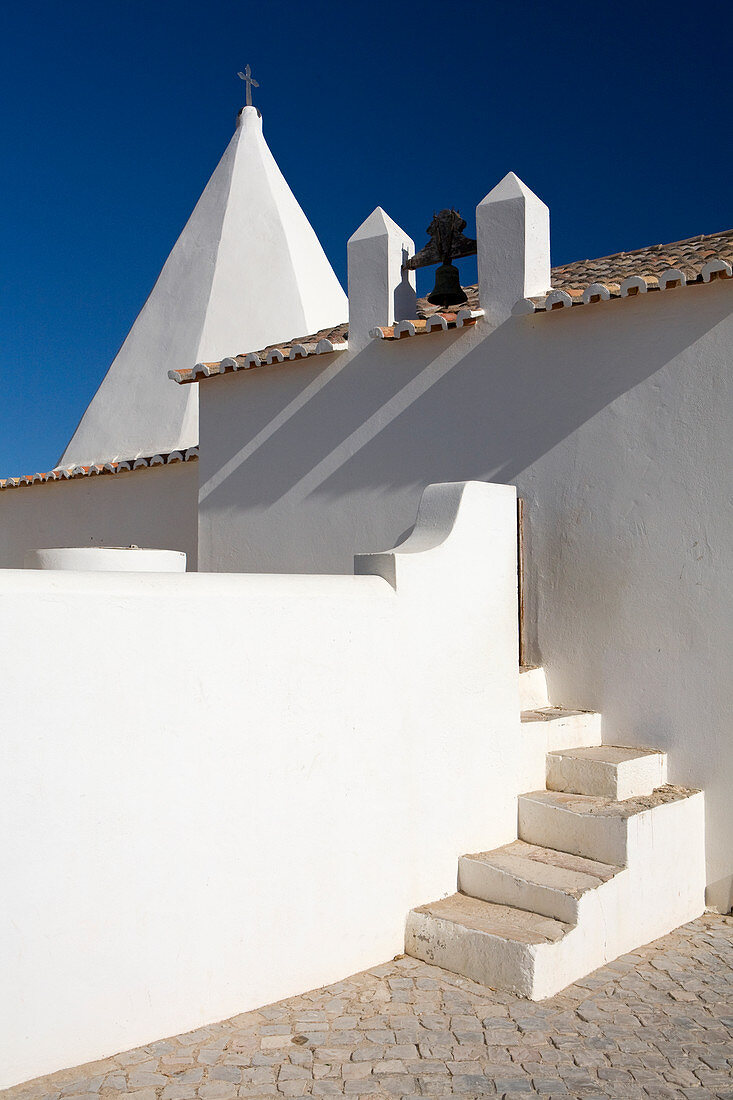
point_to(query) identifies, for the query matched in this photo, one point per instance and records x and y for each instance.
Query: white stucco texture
(246, 270)
(380, 292)
(613, 421)
(154, 507)
(513, 233)
(231, 789)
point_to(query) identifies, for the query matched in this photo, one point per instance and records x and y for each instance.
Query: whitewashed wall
(613, 420)
(154, 507)
(224, 790)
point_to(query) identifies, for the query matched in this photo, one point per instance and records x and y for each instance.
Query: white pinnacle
(380, 291)
(246, 271)
(513, 229)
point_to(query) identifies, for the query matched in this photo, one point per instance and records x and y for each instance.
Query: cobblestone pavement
(656, 1023)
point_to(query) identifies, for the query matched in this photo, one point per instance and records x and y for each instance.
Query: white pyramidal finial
(380, 292)
(513, 233)
(247, 271)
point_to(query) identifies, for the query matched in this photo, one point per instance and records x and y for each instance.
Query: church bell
(447, 290)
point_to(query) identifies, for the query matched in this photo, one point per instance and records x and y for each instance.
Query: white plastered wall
(154, 507)
(224, 790)
(612, 419)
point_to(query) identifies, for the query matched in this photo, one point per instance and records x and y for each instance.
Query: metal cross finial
(250, 81)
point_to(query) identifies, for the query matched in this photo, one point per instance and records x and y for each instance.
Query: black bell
(447, 290)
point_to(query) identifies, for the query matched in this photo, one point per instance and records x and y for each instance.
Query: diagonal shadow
(449, 406)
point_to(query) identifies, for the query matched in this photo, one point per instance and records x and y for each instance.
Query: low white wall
(223, 790)
(613, 420)
(154, 507)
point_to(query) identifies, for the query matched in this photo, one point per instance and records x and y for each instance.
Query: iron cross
(250, 81)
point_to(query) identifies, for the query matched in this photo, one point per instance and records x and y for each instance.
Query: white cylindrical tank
(107, 559)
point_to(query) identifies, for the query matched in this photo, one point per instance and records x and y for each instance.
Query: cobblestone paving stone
(656, 1023)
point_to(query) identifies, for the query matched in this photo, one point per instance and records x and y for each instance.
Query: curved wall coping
(104, 559)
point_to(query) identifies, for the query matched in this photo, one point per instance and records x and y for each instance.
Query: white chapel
(349, 626)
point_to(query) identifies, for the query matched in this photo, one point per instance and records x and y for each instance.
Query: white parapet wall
(221, 790)
(612, 419)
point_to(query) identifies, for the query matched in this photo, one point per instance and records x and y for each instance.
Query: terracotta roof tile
(439, 321)
(577, 283)
(426, 309)
(67, 473)
(323, 342)
(690, 256)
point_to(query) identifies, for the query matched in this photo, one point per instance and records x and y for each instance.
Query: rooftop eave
(69, 473)
(635, 284)
(437, 322)
(299, 349)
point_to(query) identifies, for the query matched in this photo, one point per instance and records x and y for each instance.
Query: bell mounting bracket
(447, 242)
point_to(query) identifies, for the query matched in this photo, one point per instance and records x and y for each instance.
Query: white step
(528, 876)
(492, 944)
(586, 825)
(567, 729)
(609, 771)
(532, 688)
(536, 954)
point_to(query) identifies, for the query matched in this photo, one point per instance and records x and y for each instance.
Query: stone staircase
(608, 857)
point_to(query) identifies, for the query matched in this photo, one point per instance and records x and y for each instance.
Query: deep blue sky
(116, 113)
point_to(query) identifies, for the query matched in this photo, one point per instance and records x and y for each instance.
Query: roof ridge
(648, 248)
(702, 258)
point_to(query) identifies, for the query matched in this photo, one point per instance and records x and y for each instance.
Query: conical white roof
(247, 271)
